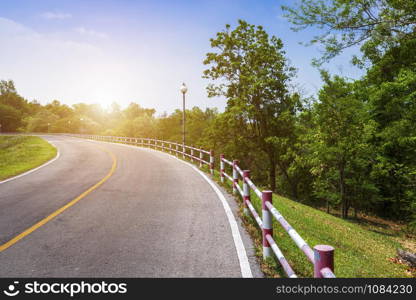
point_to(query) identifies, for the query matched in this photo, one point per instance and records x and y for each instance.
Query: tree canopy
(374, 25)
(251, 71)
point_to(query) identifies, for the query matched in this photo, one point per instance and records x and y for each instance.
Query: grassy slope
(360, 251)
(22, 153)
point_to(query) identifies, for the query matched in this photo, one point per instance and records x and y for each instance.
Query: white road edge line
(37, 168)
(238, 242)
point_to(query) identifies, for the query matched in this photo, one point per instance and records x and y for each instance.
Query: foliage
(251, 71)
(12, 107)
(338, 148)
(375, 25)
(393, 106)
(386, 32)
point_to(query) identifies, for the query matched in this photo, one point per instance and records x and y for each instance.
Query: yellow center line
(63, 208)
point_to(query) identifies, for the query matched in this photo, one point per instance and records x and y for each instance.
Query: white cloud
(55, 15)
(90, 32)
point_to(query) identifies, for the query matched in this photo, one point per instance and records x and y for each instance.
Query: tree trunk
(272, 178)
(293, 187)
(347, 207)
(344, 207)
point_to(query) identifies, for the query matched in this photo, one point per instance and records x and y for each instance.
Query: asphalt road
(153, 217)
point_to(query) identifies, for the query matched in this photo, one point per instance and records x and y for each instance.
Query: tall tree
(393, 106)
(13, 107)
(339, 152)
(250, 69)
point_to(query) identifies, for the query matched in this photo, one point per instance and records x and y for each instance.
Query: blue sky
(124, 50)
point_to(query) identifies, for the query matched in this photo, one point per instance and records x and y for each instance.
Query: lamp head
(184, 88)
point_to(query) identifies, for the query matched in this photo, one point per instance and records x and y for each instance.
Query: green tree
(134, 110)
(169, 127)
(13, 107)
(386, 32)
(9, 96)
(39, 122)
(61, 110)
(339, 153)
(251, 71)
(393, 106)
(10, 118)
(390, 89)
(375, 25)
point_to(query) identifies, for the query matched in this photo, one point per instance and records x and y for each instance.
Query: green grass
(19, 154)
(360, 250)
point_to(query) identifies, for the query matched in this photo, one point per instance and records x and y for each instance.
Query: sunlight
(104, 96)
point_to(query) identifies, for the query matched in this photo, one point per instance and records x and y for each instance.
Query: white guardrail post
(211, 162)
(235, 176)
(246, 190)
(222, 167)
(267, 223)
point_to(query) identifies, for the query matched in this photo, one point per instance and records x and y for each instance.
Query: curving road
(146, 215)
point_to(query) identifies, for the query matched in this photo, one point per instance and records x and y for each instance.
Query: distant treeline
(353, 148)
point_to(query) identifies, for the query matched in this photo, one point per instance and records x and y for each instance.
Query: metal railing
(202, 156)
(321, 257)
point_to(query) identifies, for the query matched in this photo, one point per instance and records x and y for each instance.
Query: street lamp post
(184, 89)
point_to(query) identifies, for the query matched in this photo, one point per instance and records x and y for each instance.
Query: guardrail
(321, 256)
(171, 147)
